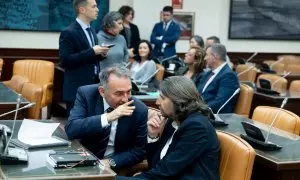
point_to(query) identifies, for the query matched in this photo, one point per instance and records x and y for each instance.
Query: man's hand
(100, 50)
(123, 110)
(155, 125)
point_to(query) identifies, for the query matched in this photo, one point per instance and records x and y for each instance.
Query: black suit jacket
(193, 153)
(84, 123)
(135, 37)
(78, 59)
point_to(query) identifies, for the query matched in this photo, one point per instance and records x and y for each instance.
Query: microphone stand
(251, 57)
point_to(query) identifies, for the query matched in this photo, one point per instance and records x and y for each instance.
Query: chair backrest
(295, 88)
(39, 72)
(160, 74)
(236, 157)
(33, 93)
(280, 83)
(293, 68)
(244, 101)
(249, 75)
(278, 67)
(289, 59)
(286, 120)
(1, 66)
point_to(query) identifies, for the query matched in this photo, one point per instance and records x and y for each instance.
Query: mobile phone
(108, 45)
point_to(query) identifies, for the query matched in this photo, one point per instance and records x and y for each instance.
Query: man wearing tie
(108, 121)
(165, 35)
(219, 84)
(78, 51)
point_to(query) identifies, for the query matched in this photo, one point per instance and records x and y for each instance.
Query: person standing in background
(165, 35)
(78, 51)
(130, 31)
(112, 26)
(196, 41)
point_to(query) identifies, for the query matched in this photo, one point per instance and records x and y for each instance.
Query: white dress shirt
(104, 123)
(216, 72)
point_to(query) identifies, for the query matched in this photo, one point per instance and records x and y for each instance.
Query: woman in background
(130, 30)
(118, 54)
(143, 67)
(194, 61)
(196, 41)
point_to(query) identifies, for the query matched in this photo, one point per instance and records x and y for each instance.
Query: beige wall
(211, 18)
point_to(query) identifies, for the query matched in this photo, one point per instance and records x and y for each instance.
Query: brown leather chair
(236, 157)
(280, 84)
(16, 83)
(293, 68)
(38, 72)
(160, 74)
(289, 59)
(1, 66)
(278, 67)
(286, 120)
(244, 101)
(246, 75)
(33, 93)
(295, 88)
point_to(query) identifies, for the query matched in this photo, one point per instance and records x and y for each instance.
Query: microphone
(251, 57)
(255, 137)
(12, 155)
(24, 107)
(246, 70)
(275, 63)
(152, 75)
(285, 75)
(217, 117)
(168, 58)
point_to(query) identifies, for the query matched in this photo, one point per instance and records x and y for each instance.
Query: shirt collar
(82, 24)
(175, 125)
(218, 69)
(105, 104)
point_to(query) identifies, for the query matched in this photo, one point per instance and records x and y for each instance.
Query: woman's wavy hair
(184, 95)
(199, 58)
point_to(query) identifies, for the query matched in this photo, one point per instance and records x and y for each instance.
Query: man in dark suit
(186, 145)
(220, 83)
(108, 121)
(165, 35)
(78, 51)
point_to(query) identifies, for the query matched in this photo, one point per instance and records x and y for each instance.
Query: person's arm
(153, 38)
(227, 85)
(135, 154)
(193, 142)
(171, 39)
(69, 55)
(78, 124)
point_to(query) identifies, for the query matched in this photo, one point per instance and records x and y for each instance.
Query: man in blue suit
(78, 51)
(219, 84)
(108, 121)
(165, 35)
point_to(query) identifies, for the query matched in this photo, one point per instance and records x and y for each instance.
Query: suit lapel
(81, 34)
(99, 109)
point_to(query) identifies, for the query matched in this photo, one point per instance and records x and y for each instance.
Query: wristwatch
(112, 163)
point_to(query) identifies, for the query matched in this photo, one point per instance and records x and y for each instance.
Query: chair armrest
(47, 94)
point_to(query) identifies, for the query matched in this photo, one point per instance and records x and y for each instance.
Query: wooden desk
(280, 165)
(8, 101)
(38, 168)
(260, 99)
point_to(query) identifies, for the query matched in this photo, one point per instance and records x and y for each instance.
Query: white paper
(34, 133)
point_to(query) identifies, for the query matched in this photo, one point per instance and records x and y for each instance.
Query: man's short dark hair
(168, 9)
(79, 3)
(125, 10)
(215, 39)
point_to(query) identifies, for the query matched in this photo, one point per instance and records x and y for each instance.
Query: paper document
(35, 133)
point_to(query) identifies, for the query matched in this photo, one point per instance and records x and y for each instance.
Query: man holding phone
(108, 121)
(78, 51)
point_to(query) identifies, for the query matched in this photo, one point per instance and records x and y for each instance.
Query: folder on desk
(33, 134)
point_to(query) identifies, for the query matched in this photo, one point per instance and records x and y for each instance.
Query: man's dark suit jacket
(78, 59)
(135, 37)
(84, 123)
(193, 153)
(220, 90)
(170, 37)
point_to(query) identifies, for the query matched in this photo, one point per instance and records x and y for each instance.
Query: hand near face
(155, 125)
(122, 110)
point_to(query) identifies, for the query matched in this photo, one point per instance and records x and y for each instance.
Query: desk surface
(38, 168)
(286, 158)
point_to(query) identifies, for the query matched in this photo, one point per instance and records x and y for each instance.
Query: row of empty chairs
(34, 80)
